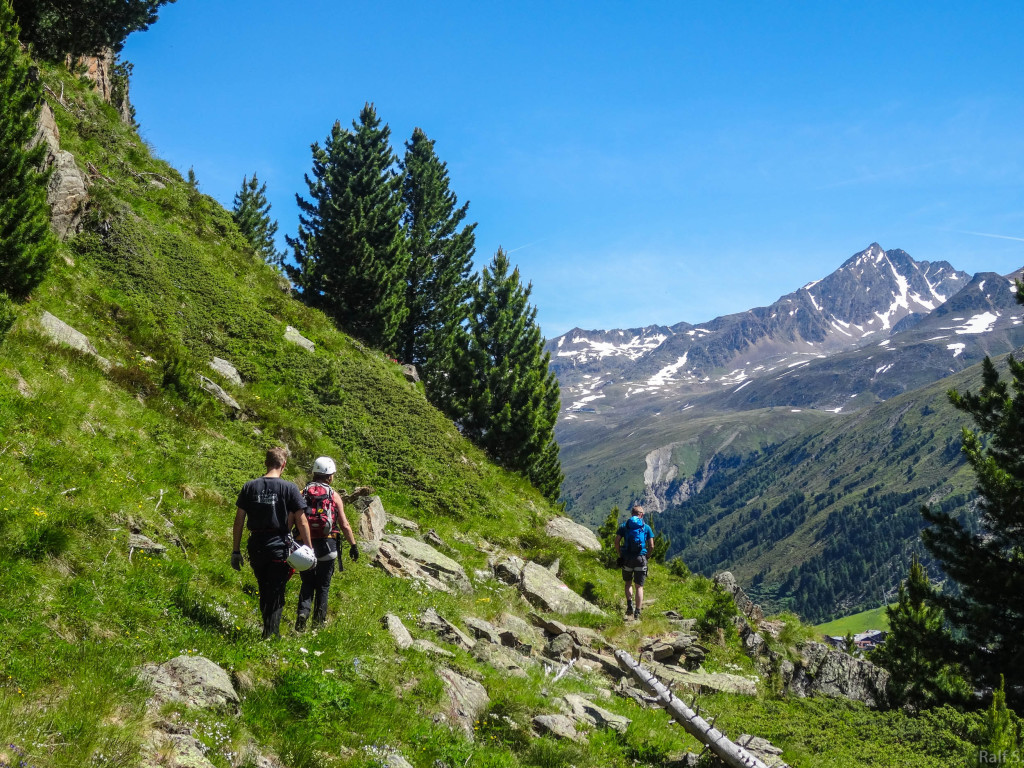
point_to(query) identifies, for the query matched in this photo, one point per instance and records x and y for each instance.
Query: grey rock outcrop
(763, 750)
(209, 385)
(467, 699)
(559, 726)
(62, 333)
(100, 69)
(194, 681)
(411, 374)
(401, 522)
(482, 630)
(292, 335)
(431, 619)
(586, 711)
(67, 191)
(372, 518)
(227, 370)
(505, 660)
(138, 542)
(578, 535)
(543, 589)
(508, 568)
(397, 630)
(822, 671)
(704, 681)
(408, 558)
(747, 607)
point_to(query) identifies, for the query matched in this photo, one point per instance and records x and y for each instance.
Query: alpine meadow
(158, 349)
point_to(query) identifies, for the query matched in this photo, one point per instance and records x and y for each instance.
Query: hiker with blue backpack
(633, 540)
(325, 516)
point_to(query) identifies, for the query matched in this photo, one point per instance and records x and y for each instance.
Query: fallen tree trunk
(729, 753)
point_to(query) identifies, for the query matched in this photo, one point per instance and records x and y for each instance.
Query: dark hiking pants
(272, 576)
(316, 584)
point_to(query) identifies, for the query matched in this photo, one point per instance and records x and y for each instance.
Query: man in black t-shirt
(269, 506)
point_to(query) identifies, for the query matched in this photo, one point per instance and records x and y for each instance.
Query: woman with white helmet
(325, 517)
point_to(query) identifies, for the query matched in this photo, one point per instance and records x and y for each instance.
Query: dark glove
(620, 562)
(353, 552)
(236, 560)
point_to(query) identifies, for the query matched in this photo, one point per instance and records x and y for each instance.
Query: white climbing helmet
(324, 466)
(302, 558)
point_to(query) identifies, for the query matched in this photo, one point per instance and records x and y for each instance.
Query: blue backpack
(636, 541)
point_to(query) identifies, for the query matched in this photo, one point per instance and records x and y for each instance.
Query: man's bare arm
(343, 520)
(237, 532)
(298, 519)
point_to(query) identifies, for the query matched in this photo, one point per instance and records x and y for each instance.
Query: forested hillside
(825, 522)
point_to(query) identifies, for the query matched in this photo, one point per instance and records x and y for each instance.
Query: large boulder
(173, 750)
(747, 607)
(227, 370)
(194, 681)
(579, 535)
(822, 671)
(62, 333)
(372, 518)
(432, 620)
(544, 590)
(586, 711)
(67, 191)
(209, 385)
(397, 630)
(560, 726)
(292, 335)
(467, 699)
(418, 558)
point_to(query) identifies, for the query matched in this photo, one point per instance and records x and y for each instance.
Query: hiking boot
(300, 623)
(636, 614)
(629, 610)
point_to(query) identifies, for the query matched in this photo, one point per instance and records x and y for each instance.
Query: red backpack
(321, 510)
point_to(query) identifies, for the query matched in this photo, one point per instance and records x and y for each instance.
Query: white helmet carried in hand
(302, 558)
(324, 466)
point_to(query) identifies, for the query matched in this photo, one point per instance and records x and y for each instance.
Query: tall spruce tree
(439, 282)
(506, 396)
(350, 254)
(914, 649)
(26, 241)
(251, 213)
(988, 563)
(59, 28)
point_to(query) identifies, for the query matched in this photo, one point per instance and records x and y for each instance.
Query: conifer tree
(350, 253)
(505, 394)
(59, 28)
(26, 241)
(251, 213)
(1000, 738)
(438, 284)
(914, 648)
(988, 612)
(606, 535)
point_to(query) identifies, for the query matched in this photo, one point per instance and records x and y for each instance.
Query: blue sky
(645, 162)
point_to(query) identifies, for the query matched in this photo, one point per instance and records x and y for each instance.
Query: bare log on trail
(728, 752)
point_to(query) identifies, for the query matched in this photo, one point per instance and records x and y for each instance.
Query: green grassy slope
(874, 618)
(161, 282)
(825, 523)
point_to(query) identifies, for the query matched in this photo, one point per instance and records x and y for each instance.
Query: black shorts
(634, 570)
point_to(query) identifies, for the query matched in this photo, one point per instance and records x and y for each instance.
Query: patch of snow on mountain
(884, 343)
(664, 376)
(579, 405)
(982, 323)
(884, 368)
(981, 286)
(687, 407)
(734, 377)
(957, 348)
(794, 410)
(741, 386)
(834, 410)
(798, 363)
(561, 341)
(811, 297)
(840, 326)
(926, 303)
(937, 338)
(695, 331)
(634, 349)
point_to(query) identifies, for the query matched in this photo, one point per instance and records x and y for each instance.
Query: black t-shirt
(266, 502)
